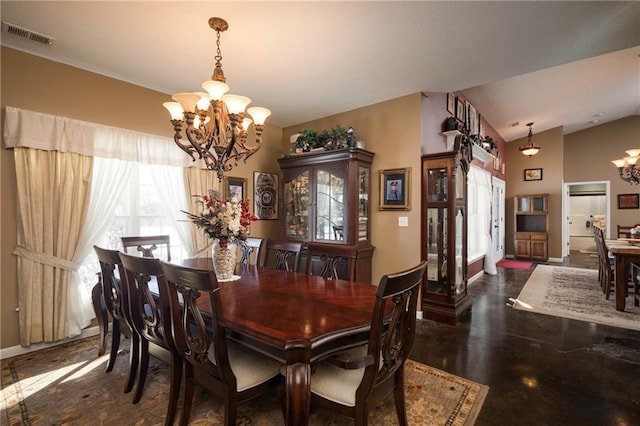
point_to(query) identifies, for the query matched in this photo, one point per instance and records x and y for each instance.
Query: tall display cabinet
(444, 232)
(326, 198)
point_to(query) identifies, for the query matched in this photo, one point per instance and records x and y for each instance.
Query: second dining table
(295, 318)
(625, 254)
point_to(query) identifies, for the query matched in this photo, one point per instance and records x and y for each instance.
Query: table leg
(298, 389)
(622, 275)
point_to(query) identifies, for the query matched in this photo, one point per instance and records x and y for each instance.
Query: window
(139, 211)
(478, 212)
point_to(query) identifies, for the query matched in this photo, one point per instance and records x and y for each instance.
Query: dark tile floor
(541, 370)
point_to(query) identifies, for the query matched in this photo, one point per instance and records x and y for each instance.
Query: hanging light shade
(629, 166)
(530, 148)
(213, 125)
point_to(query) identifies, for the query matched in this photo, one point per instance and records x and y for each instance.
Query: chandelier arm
(177, 138)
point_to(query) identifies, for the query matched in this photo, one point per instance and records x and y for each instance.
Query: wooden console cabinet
(531, 226)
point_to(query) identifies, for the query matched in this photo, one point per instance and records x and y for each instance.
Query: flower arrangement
(227, 220)
(635, 230)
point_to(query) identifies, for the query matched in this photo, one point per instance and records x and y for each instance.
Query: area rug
(67, 385)
(513, 264)
(574, 293)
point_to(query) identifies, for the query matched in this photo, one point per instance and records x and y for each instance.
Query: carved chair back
(282, 254)
(333, 261)
(250, 250)
(147, 245)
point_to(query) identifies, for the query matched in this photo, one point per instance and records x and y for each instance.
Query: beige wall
(550, 160)
(392, 131)
(588, 155)
(37, 84)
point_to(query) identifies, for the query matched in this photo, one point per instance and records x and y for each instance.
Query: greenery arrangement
(336, 138)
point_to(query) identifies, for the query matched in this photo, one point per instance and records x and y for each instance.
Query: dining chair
(355, 380)
(250, 250)
(282, 254)
(333, 261)
(116, 302)
(232, 372)
(606, 264)
(151, 321)
(147, 245)
(624, 231)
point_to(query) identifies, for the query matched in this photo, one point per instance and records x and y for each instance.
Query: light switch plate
(403, 221)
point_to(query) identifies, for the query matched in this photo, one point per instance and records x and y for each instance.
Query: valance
(23, 128)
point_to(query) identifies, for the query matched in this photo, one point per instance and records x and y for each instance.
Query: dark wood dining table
(625, 255)
(295, 318)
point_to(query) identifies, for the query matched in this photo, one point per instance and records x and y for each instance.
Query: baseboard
(19, 350)
(475, 278)
(555, 260)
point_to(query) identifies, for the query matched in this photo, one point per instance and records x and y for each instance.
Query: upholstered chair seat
(250, 367)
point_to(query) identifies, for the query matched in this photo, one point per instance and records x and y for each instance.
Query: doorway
(584, 203)
(497, 217)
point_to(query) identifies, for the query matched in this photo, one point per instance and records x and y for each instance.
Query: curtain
(51, 133)
(53, 169)
(108, 177)
(53, 198)
(199, 182)
(479, 217)
(169, 182)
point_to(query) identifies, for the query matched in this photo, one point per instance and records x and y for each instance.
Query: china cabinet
(532, 226)
(444, 232)
(327, 200)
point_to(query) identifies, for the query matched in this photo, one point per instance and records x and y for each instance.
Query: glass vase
(223, 254)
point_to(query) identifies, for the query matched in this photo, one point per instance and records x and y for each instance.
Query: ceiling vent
(17, 31)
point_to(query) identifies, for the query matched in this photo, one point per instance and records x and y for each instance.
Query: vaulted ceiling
(572, 64)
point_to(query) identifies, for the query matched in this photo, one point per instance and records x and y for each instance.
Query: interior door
(497, 217)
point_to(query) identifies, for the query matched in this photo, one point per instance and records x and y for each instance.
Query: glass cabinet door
(522, 204)
(437, 250)
(539, 204)
(459, 282)
(437, 184)
(363, 208)
(330, 210)
(297, 205)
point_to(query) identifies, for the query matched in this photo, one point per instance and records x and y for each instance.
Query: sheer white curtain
(108, 178)
(169, 181)
(479, 213)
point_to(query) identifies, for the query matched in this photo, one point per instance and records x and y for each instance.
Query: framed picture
(395, 188)
(460, 109)
(265, 199)
(628, 201)
(472, 119)
(451, 104)
(235, 187)
(497, 161)
(532, 174)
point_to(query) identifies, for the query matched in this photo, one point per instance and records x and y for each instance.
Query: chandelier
(628, 166)
(214, 126)
(530, 148)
